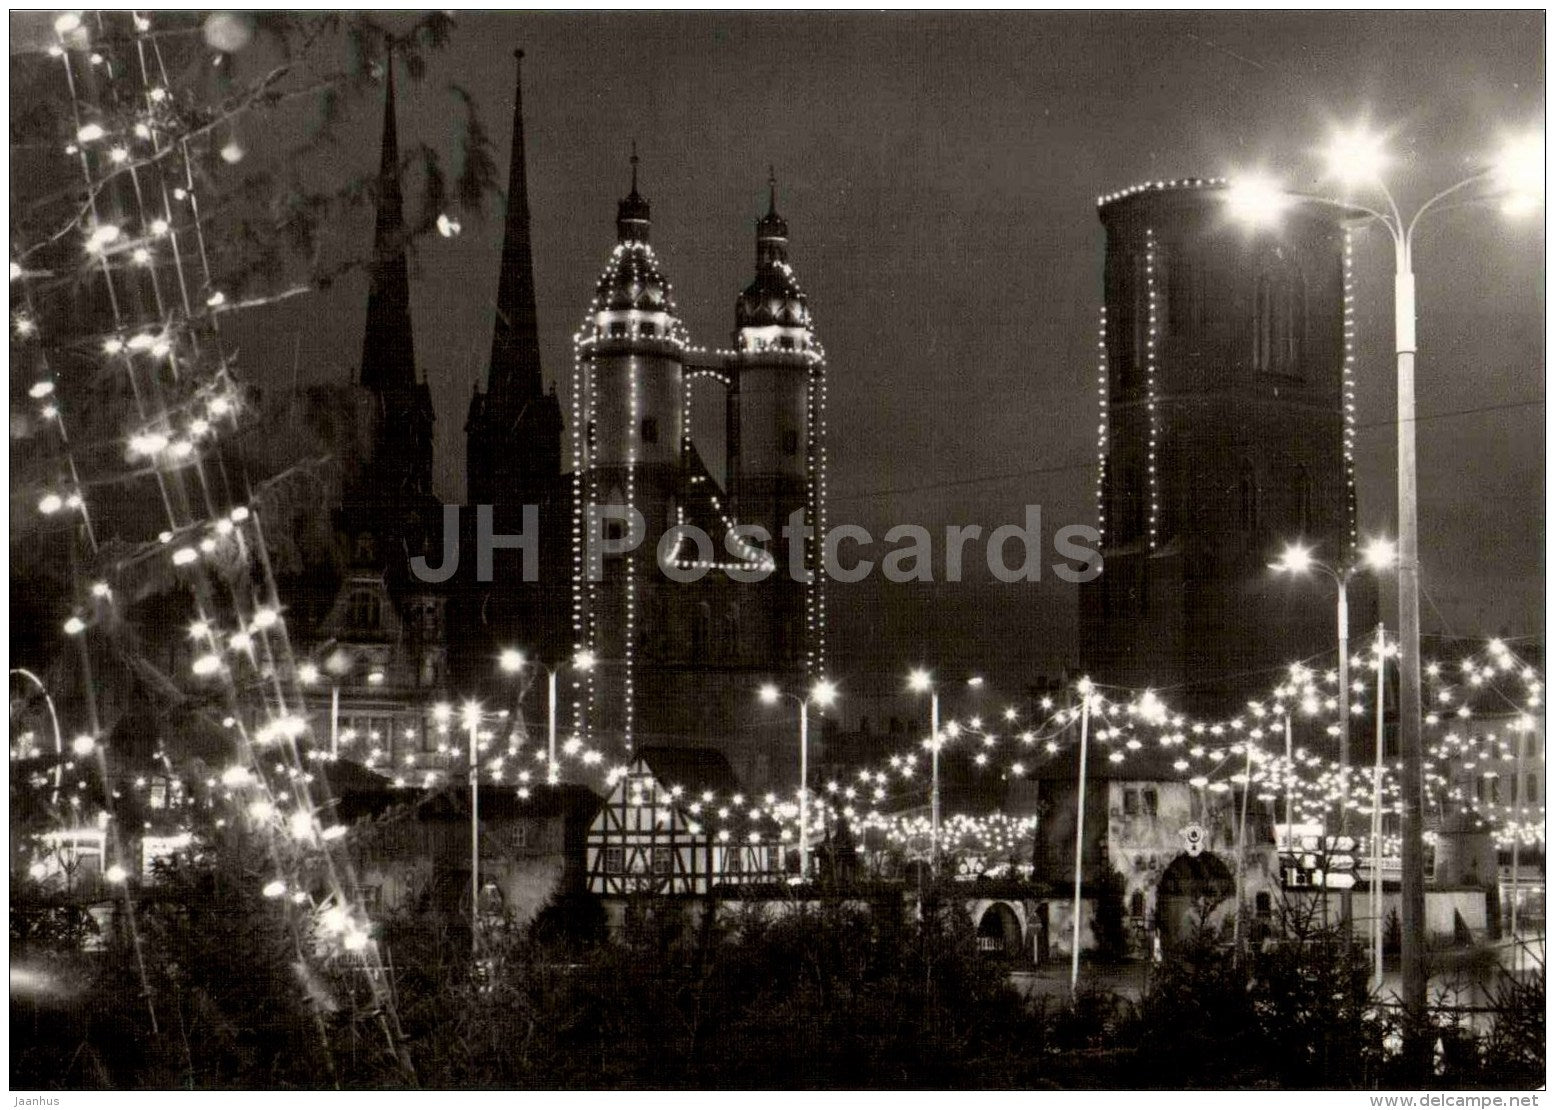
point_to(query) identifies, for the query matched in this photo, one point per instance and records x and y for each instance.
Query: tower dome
(773, 299)
(632, 297)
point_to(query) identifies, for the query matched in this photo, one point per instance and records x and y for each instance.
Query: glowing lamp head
(769, 694)
(1380, 555)
(1256, 200)
(83, 746)
(1355, 156)
(975, 681)
(1295, 560)
(442, 712)
(584, 660)
(920, 681)
(1519, 172)
(308, 673)
(824, 693)
(471, 714)
(116, 874)
(511, 660)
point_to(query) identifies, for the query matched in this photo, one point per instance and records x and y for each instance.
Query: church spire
(388, 350)
(771, 229)
(515, 342)
(632, 213)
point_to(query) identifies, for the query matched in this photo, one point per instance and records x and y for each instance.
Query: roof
(698, 770)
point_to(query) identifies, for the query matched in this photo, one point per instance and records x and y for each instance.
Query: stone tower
(1225, 357)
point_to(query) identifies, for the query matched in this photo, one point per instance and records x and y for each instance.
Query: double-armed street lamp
(1357, 159)
(1379, 555)
(513, 661)
(822, 694)
(921, 681)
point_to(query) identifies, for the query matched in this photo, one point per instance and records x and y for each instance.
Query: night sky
(939, 175)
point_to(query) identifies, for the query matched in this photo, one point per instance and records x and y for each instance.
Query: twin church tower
(679, 650)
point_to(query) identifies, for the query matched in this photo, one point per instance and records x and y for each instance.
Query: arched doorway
(999, 931)
(1190, 889)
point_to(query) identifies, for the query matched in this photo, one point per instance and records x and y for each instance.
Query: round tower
(1225, 355)
(627, 398)
(778, 377)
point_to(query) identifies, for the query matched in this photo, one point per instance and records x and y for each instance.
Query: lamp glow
(1355, 156)
(1256, 199)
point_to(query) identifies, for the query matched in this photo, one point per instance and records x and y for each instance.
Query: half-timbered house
(679, 823)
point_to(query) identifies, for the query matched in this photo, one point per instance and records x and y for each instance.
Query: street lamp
(472, 721)
(1378, 555)
(921, 681)
(823, 693)
(512, 661)
(1517, 175)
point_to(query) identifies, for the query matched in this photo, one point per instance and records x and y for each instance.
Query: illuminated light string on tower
(1101, 427)
(1151, 356)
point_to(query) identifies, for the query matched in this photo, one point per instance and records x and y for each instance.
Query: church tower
(388, 511)
(513, 436)
(514, 428)
(1225, 361)
(777, 367)
(628, 393)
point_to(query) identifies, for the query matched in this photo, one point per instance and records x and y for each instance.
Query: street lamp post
(1376, 810)
(1378, 556)
(472, 721)
(1358, 159)
(1079, 833)
(823, 693)
(512, 661)
(921, 681)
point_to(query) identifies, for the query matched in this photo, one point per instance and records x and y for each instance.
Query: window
(646, 328)
(615, 860)
(1148, 800)
(1136, 904)
(1279, 317)
(1303, 502)
(1131, 802)
(618, 327)
(1263, 904)
(1247, 493)
(364, 610)
(650, 429)
(790, 444)
(661, 861)
(1532, 789)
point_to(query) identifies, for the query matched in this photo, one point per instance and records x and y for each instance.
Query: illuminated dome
(773, 299)
(632, 299)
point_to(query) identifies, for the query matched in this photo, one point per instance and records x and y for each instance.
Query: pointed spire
(515, 374)
(388, 350)
(771, 229)
(632, 213)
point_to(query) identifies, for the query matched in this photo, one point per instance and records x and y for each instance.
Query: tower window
(1279, 317)
(1136, 904)
(650, 429)
(790, 444)
(1303, 502)
(1148, 801)
(646, 328)
(1247, 489)
(618, 327)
